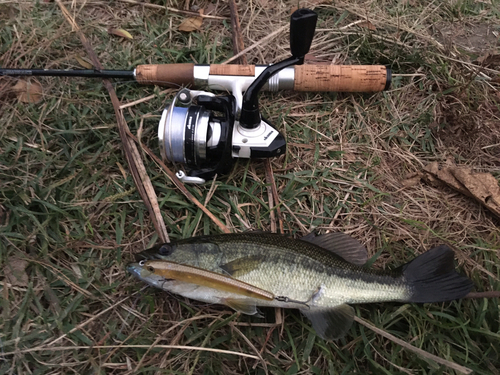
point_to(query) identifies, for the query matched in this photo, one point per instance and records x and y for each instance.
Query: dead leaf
(432, 167)
(443, 175)
(120, 32)
(488, 59)
(483, 187)
(191, 24)
(210, 8)
(28, 91)
(412, 179)
(431, 176)
(368, 25)
(84, 63)
(14, 271)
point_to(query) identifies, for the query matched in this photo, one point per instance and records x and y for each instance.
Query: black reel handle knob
(302, 26)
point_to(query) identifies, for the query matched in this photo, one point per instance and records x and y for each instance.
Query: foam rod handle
(342, 78)
(165, 74)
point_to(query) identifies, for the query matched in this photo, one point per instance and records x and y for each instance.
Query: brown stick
(137, 169)
(238, 44)
(488, 294)
(171, 9)
(274, 193)
(270, 198)
(418, 351)
(180, 185)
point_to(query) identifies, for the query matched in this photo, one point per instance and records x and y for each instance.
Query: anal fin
(245, 306)
(332, 323)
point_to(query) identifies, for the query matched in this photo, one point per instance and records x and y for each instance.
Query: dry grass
(69, 207)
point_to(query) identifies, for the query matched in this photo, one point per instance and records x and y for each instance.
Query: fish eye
(142, 263)
(150, 269)
(165, 249)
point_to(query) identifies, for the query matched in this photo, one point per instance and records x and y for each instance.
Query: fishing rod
(312, 78)
(206, 133)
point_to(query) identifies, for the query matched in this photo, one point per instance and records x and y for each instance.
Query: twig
(488, 294)
(299, 223)
(262, 41)
(249, 343)
(170, 9)
(423, 353)
(181, 186)
(270, 199)
(237, 38)
(82, 347)
(145, 99)
(137, 169)
(274, 194)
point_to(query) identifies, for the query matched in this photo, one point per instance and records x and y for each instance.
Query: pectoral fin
(245, 306)
(332, 323)
(341, 244)
(242, 266)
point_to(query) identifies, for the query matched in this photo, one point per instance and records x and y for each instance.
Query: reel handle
(312, 78)
(302, 27)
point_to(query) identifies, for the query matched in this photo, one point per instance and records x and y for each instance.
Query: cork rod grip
(341, 78)
(165, 74)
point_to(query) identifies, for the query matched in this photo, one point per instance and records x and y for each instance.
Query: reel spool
(206, 133)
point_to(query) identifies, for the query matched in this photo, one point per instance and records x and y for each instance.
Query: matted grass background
(69, 208)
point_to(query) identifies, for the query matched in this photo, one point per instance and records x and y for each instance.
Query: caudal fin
(432, 277)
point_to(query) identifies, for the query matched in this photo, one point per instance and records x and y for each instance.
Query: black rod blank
(87, 73)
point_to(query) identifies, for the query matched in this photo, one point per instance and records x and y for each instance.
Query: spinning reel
(206, 133)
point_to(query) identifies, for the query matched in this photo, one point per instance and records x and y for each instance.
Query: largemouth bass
(319, 275)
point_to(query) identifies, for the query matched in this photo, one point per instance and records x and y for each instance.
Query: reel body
(200, 131)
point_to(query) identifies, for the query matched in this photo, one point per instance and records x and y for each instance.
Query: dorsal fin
(341, 244)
